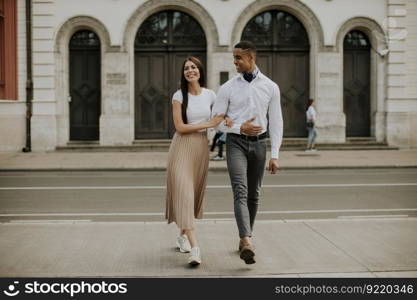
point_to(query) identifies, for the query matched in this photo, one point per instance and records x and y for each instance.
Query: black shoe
(247, 253)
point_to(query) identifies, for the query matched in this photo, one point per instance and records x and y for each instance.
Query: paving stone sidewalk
(284, 248)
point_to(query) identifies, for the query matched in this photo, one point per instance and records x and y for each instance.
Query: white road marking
(209, 213)
(372, 216)
(50, 221)
(228, 220)
(162, 187)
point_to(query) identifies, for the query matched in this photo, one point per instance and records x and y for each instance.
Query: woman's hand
(216, 120)
(228, 122)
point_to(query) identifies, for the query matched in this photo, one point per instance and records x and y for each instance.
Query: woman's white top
(199, 106)
(311, 114)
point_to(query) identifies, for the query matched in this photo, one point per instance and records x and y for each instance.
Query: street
(140, 196)
(311, 223)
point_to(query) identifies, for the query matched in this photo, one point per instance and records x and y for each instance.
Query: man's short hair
(246, 45)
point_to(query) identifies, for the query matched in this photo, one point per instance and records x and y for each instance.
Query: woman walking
(188, 155)
(311, 125)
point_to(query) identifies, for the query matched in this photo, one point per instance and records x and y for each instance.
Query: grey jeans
(246, 165)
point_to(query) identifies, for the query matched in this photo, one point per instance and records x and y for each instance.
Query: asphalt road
(140, 196)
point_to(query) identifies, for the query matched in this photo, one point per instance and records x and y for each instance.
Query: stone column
(222, 62)
(44, 126)
(329, 98)
(398, 123)
(44, 117)
(117, 116)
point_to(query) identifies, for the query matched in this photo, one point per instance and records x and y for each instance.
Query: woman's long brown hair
(184, 84)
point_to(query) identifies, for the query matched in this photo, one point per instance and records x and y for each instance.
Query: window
(8, 49)
(1, 49)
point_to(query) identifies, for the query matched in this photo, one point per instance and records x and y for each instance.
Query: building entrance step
(289, 144)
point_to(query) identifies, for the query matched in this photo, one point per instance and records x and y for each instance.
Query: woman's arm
(180, 127)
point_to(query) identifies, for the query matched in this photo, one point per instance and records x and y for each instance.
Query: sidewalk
(140, 161)
(348, 247)
(284, 248)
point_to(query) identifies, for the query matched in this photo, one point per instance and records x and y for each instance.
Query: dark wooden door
(356, 82)
(85, 90)
(162, 44)
(291, 71)
(152, 95)
(283, 56)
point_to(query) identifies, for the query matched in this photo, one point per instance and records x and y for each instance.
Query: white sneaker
(183, 244)
(195, 258)
(217, 158)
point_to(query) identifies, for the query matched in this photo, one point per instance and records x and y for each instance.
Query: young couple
(245, 107)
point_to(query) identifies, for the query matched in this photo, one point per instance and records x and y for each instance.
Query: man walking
(252, 101)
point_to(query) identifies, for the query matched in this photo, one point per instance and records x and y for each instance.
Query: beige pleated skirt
(187, 169)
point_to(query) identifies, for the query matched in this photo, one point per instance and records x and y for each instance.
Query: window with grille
(8, 49)
(2, 49)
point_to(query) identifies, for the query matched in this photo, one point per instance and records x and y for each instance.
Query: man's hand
(228, 122)
(273, 166)
(249, 129)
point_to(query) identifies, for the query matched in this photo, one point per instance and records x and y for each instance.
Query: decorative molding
(74, 24)
(62, 38)
(371, 28)
(378, 64)
(295, 7)
(190, 7)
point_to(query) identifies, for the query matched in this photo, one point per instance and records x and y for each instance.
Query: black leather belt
(252, 138)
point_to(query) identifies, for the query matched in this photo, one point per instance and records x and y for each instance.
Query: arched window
(168, 30)
(274, 30)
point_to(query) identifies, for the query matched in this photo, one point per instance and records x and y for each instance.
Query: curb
(213, 169)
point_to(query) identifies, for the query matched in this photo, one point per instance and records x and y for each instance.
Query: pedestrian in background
(219, 140)
(188, 155)
(311, 126)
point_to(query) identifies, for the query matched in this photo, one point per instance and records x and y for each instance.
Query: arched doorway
(356, 84)
(85, 85)
(283, 55)
(162, 43)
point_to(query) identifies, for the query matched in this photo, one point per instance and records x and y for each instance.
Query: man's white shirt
(241, 101)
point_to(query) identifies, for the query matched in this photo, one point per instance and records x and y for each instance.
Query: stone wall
(401, 103)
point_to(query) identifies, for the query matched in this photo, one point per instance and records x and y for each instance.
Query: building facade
(105, 70)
